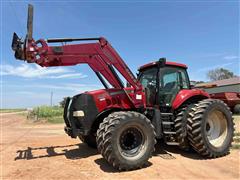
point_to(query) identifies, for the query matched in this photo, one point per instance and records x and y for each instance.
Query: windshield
(169, 78)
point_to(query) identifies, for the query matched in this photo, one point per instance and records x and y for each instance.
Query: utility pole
(51, 98)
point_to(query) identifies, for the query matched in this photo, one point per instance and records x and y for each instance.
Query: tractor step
(166, 114)
(167, 120)
(167, 123)
(168, 128)
(169, 132)
(172, 143)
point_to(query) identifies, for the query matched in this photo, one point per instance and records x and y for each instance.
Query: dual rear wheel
(206, 126)
(210, 128)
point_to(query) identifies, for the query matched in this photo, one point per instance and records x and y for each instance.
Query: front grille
(82, 102)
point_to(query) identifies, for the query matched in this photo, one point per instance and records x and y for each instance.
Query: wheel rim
(216, 128)
(131, 142)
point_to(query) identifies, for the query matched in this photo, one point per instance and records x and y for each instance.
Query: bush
(51, 114)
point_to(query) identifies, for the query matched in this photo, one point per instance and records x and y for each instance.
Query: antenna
(30, 22)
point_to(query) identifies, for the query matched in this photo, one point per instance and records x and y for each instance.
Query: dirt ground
(44, 151)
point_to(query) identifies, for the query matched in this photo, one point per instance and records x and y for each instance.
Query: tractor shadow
(104, 166)
(167, 152)
(79, 151)
(161, 150)
(74, 151)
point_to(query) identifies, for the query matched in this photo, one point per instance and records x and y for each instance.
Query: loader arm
(99, 55)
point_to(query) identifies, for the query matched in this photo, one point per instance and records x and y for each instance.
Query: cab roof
(168, 63)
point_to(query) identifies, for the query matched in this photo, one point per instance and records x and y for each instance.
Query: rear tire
(180, 126)
(126, 140)
(236, 109)
(210, 128)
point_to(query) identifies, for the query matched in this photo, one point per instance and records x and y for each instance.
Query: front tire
(90, 140)
(210, 128)
(126, 140)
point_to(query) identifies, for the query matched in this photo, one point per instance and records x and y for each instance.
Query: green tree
(219, 74)
(63, 102)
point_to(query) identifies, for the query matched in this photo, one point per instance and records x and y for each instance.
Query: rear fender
(187, 94)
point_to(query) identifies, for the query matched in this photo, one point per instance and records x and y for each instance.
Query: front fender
(186, 94)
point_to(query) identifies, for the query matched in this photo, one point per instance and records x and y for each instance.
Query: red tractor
(124, 121)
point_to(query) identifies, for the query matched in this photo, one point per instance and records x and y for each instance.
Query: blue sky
(202, 34)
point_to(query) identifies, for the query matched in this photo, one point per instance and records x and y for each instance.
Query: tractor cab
(162, 81)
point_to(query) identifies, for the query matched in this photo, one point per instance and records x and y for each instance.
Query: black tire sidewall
(185, 117)
(148, 133)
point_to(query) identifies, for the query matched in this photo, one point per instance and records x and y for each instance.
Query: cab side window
(149, 80)
(184, 79)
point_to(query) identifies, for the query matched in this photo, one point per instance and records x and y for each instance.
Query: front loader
(124, 121)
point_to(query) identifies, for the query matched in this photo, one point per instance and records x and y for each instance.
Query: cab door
(148, 78)
(171, 81)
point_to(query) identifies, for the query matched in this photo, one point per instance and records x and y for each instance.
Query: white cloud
(225, 56)
(25, 92)
(230, 57)
(79, 88)
(29, 71)
(63, 87)
(70, 75)
(34, 94)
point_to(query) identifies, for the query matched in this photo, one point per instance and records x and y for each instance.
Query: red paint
(111, 98)
(99, 56)
(176, 64)
(185, 94)
(167, 63)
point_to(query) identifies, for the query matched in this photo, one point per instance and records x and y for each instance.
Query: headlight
(78, 113)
